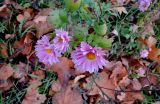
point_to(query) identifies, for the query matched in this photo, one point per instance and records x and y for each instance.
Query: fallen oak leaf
(24, 45)
(33, 97)
(131, 97)
(121, 96)
(6, 71)
(124, 82)
(21, 71)
(136, 84)
(68, 95)
(151, 79)
(119, 71)
(56, 86)
(120, 10)
(5, 84)
(64, 70)
(154, 52)
(40, 22)
(40, 19)
(101, 84)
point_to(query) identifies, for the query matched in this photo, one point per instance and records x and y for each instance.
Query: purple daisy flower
(45, 51)
(61, 41)
(88, 58)
(144, 4)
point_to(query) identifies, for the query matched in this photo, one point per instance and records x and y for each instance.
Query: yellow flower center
(91, 56)
(48, 51)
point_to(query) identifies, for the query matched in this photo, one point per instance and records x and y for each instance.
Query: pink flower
(144, 53)
(144, 4)
(88, 58)
(61, 41)
(45, 51)
(141, 72)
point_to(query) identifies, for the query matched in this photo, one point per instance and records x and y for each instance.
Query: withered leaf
(21, 70)
(104, 82)
(63, 69)
(68, 95)
(6, 71)
(3, 50)
(40, 22)
(33, 97)
(119, 71)
(5, 84)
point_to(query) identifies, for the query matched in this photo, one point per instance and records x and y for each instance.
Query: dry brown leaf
(34, 84)
(148, 29)
(121, 96)
(119, 71)
(28, 13)
(124, 82)
(40, 74)
(33, 97)
(40, 22)
(131, 97)
(104, 82)
(24, 45)
(20, 17)
(21, 71)
(154, 52)
(63, 69)
(136, 84)
(151, 42)
(120, 10)
(40, 19)
(3, 50)
(68, 95)
(152, 79)
(56, 86)
(4, 11)
(109, 66)
(5, 85)
(6, 71)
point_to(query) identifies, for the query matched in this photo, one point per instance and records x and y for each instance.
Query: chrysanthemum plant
(81, 31)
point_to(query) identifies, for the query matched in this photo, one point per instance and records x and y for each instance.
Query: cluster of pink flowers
(85, 57)
(48, 51)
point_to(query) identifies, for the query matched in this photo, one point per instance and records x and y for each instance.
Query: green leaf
(100, 29)
(57, 19)
(104, 42)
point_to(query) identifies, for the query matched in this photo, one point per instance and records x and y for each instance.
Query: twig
(130, 90)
